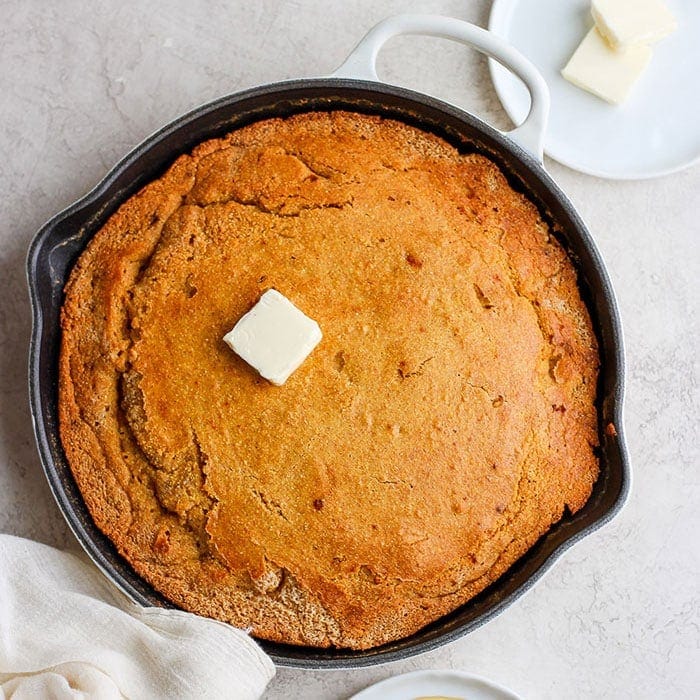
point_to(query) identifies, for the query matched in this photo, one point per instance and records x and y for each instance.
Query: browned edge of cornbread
(442, 475)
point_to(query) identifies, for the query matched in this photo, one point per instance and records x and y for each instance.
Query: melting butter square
(602, 70)
(274, 337)
(625, 23)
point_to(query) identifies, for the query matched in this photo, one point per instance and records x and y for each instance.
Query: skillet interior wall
(463, 131)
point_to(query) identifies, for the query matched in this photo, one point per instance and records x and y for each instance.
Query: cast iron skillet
(355, 87)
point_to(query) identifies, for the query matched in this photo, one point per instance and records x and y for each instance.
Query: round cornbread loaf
(445, 421)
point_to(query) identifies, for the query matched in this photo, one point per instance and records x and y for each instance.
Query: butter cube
(625, 23)
(274, 337)
(602, 70)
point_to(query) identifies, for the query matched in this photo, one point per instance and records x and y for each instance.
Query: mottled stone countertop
(82, 83)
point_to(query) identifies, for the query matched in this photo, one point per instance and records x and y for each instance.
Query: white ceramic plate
(449, 684)
(656, 131)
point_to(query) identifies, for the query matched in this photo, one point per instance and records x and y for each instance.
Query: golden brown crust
(443, 424)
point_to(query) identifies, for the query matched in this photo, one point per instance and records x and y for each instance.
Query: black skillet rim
(52, 253)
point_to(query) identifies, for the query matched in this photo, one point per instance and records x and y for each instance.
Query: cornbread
(444, 422)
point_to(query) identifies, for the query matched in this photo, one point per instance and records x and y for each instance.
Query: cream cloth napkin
(67, 632)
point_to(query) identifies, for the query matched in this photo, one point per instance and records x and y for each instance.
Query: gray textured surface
(619, 615)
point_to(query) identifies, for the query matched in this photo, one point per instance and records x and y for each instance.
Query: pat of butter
(274, 337)
(602, 70)
(625, 23)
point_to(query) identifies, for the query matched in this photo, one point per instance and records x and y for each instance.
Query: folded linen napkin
(67, 632)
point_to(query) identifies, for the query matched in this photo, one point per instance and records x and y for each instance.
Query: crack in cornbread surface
(442, 425)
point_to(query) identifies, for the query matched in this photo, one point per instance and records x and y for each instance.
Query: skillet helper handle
(361, 65)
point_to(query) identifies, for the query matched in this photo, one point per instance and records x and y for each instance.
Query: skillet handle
(361, 65)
